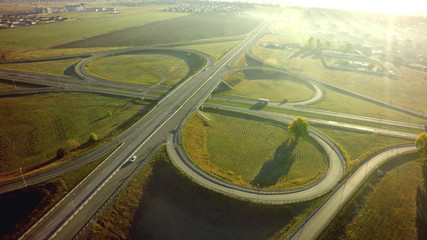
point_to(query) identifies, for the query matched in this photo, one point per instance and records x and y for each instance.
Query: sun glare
(396, 7)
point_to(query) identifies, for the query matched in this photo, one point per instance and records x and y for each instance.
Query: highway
(70, 215)
(66, 219)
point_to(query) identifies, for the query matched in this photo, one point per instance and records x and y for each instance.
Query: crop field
(162, 203)
(275, 87)
(360, 145)
(251, 151)
(58, 67)
(144, 69)
(52, 34)
(216, 49)
(34, 127)
(387, 207)
(339, 102)
(178, 30)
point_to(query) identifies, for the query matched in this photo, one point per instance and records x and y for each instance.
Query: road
(66, 219)
(318, 222)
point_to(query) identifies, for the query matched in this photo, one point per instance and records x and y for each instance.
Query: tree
(93, 137)
(299, 128)
(311, 42)
(421, 143)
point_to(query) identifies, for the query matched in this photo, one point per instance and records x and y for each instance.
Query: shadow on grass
(277, 167)
(174, 207)
(421, 198)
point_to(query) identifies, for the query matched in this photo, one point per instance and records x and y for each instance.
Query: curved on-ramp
(325, 184)
(319, 91)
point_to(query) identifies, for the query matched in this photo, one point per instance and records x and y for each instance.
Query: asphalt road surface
(66, 219)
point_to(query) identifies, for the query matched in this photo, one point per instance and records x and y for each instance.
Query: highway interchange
(74, 211)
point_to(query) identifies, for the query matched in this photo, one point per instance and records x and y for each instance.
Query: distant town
(36, 16)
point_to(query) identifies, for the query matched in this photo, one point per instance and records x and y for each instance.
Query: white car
(132, 159)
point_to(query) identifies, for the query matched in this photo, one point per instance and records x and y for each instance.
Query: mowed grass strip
(144, 69)
(51, 34)
(33, 127)
(275, 87)
(178, 30)
(250, 151)
(339, 102)
(385, 207)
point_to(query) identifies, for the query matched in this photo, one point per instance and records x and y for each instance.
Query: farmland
(273, 86)
(251, 151)
(180, 30)
(52, 34)
(36, 126)
(145, 69)
(386, 207)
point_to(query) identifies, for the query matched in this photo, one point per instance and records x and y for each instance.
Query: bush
(93, 137)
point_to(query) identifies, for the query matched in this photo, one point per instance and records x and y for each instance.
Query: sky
(389, 6)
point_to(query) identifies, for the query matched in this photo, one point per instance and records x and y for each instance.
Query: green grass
(58, 67)
(385, 208)
(23, 208)
(217, 49)
(178, 31)
(320, 116)
(146, 69)
(360, 146)
(251, 151)
(275, 87)
(162, 203)
(51, 34)
(35, 126)
(339, 102)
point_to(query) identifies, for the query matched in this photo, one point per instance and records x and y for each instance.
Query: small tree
(93, 137)
(299, 128)
(421, 143)
(60, 153)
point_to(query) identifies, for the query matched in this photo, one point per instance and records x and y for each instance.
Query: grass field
(58, 67)
(144, 69)
(178, 30)
(407, 90)
(321, 116)
(34, 127)
(216, 49)
(251, 151)
(385, 208)
(339, 102)
(359, 145)
(275, 87)
(52, 34)
(23, 208)
(162, 203)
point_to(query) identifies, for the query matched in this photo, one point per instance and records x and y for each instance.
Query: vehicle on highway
(262, 101)
(132, 159)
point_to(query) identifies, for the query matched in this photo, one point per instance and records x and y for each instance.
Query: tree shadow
(277, 167)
